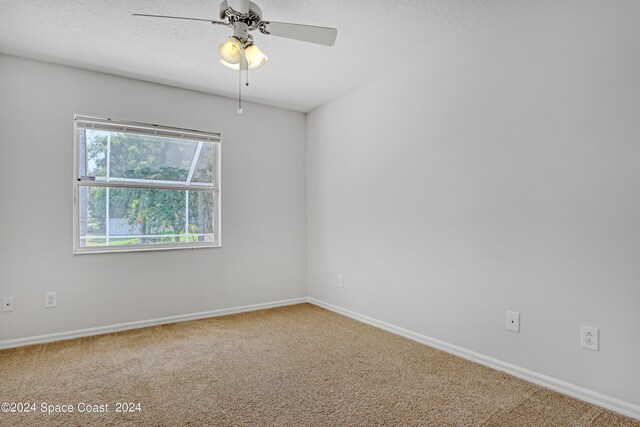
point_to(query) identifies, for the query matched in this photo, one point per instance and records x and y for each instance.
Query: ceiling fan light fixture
(255, 57)
(230, 51)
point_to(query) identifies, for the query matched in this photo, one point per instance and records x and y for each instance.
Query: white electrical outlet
(513, 321)
(340, 280)
(589, 337)
(7, 304)
(50, 300)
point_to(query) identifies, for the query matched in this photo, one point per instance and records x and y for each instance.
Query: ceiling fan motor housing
(242, 22)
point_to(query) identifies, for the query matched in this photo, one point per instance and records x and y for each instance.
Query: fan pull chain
(240, 88)
(240, 81)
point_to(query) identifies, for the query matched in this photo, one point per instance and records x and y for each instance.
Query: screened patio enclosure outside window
(142, 187)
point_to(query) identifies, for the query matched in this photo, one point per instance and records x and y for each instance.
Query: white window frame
(151, 130)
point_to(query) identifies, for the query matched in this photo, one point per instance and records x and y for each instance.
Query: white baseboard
(59, 336)
(625, 408)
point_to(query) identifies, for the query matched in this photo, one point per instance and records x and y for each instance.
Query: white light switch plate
(513, 321)
(340, 280)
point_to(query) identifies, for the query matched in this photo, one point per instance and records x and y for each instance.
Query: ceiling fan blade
(306, 33)
(180, 17)
(240, 6)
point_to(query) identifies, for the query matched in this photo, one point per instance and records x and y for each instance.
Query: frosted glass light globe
(231, 50)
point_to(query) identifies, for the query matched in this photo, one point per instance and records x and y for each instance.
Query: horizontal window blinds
(121, 126)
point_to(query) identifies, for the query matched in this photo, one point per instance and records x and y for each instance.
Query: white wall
(263, 205)
(500, 172)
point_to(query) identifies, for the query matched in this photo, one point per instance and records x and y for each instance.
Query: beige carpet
(298, 365)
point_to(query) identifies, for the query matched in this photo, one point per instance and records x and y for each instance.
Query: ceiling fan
(239, 52)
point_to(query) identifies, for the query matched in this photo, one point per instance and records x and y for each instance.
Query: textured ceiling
(373, 37)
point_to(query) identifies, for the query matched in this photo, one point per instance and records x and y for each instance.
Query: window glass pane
(134, 156)
(149, 157)
(92, 205)
(201, 216)
(112, 216)
(92, 153)
(104, 154)
(205, 169)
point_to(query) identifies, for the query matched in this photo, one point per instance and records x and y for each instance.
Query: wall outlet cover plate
(50, 300)
(590, 337)
(7, 304)
(513, 321)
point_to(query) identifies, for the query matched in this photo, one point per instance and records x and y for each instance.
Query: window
(144, 187)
